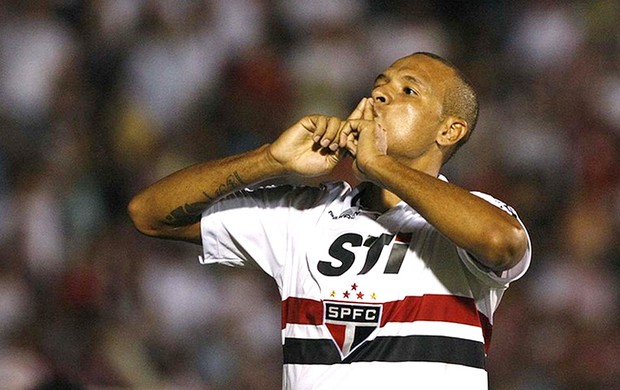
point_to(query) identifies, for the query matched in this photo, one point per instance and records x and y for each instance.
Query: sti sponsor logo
(351, 324)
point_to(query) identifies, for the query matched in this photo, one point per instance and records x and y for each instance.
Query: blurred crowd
(99, 98)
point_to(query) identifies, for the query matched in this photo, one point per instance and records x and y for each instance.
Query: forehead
(427, 70)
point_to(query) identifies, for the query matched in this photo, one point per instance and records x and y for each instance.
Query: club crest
(351, 324)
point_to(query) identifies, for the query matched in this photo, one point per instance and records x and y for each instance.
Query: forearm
(493, 236)
(171, 207)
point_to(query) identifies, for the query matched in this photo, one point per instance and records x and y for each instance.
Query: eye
(409, 91)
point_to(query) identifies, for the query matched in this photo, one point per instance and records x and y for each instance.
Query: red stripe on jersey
(301, 311)
(431, 307)
(446, 308)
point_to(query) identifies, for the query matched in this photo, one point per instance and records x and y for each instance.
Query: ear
(452, 131)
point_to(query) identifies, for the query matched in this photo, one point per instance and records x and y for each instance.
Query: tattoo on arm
(190, 213)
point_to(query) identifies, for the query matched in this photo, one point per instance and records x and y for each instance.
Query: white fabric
(317, 243)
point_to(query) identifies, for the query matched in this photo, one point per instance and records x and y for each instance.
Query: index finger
(359, 111)
(350, 128)
(369, 110)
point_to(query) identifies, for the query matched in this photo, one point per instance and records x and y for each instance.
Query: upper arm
(513, 244)
(189, 233)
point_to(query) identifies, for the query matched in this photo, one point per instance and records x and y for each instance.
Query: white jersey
(369, 300)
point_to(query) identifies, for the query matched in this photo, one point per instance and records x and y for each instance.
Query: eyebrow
(409, 78)
(412, 79)
(381, 77)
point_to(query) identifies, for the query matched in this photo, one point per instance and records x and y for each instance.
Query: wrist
(273, 166)
(372, 168)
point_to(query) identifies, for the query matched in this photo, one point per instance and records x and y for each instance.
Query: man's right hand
(315, 144)
(311, 147)
(172, 206)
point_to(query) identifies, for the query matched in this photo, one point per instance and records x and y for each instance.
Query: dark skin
(398, 139)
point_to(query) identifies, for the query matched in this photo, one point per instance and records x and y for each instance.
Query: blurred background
(101, 98)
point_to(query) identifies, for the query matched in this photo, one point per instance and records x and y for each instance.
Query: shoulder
(287, 195)
(496, 202)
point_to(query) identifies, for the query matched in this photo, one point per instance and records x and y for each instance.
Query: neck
(376, 198)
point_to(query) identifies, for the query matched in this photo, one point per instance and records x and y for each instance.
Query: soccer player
(391, 284)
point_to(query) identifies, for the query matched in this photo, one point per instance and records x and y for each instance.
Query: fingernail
(325, 143)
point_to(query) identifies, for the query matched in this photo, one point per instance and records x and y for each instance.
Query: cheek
(412, 126)
(411, 136)
(401, 119)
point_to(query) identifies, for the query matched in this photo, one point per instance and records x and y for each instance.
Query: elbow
(138, 212)
(152, 224)
(507, 247)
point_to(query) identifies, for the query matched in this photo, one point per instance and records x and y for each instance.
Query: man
(391, 284)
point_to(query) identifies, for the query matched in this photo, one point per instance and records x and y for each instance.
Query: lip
(379, 122)
(376, 115)
(374, 111)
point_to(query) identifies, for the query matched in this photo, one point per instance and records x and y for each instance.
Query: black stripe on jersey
(388, 349)
(310, 351)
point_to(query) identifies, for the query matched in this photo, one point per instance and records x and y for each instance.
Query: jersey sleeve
(489, 277)
(253, 228)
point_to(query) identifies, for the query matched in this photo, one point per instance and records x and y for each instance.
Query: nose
(380, 96)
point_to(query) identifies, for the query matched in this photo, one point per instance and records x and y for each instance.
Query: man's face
(408, 100)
